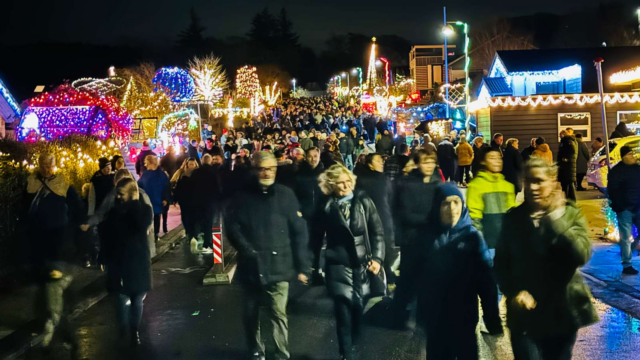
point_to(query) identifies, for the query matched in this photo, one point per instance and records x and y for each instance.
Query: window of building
(579, 122)
(631, 118)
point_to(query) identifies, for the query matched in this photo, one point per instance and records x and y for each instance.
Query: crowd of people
(315, 174)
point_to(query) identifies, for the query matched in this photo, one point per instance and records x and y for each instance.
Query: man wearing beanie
(624, 194)
(101, 185)
(305, 142)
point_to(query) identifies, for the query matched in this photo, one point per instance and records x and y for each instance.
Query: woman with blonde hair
(184, 194)
(355, 248)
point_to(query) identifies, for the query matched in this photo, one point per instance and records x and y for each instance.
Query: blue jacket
(156, 184)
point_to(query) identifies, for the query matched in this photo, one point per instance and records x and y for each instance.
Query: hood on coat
(446, 235)
(490, 177)
(543, 148)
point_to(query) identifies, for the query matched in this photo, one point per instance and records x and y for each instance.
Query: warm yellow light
(625, 77)
(536, 100)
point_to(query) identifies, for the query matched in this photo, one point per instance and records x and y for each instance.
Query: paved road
(172, 331)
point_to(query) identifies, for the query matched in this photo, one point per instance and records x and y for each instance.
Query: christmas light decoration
(359, 71)
(178, 124)
(626, 77)
(271, 97)
(455, 93)
(230, 113)
(98, 86)
(247, 82)
(372, 76)
(67, 111)
(174, 82)
(387, 79)
(209, 78)
(579, 99)
(13, 104)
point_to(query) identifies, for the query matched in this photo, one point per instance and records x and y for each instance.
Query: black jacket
(494, 145)
(267, 230)
(526, 153)
(446, 154)
(512, 167)
(385, 145)
(567, 159)
(412, 206)
(140, 168)
(478, 157)
(127, 252)
(623, 187)
(378, 187)
(394, 166)
(347, 145)
(169, 163)
(307, 189)
(206, 183)
(193, 153)
(102, 184)
(582, 163)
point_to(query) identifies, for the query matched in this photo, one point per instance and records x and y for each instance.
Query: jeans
(626, 220)
(492, 255)
(348, 161)
(130, 309)
(271, 299)
(348, 319)
(551, 348)
(463, 171)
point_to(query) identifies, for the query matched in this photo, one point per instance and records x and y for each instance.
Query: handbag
(378, 282)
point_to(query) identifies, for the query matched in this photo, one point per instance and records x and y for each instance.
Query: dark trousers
(580, 177)
(156, 224)
(348, 319)
(188, 221)
(271, 299)
(130, 309)
(410, 264)
(165, 215)
(316, 240)
(460, 344)
(463, 173)
(204, 221)
(448, 171)
(569, 189)
(550, 348)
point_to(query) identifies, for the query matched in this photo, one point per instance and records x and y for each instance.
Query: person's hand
(164, 202)
(526, 300)
(303, 279)
(557, 199)
(84, 227)
(374, 267)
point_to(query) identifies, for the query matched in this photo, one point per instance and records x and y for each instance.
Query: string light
(247, 82)
(372, 76)
(98, 86)
(386, 71)
(174, 82)
(209, 78)
(178, 124)
(626, 77)
(230, 112)
(579, 99)
(67, 111)
(271, 97)
(10, 99)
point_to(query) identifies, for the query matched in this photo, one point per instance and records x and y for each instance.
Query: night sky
(159, 21)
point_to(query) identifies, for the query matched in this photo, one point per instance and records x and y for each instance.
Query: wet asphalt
(185, 320)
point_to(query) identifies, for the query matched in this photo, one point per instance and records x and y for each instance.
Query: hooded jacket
(465, 154)
(156, 184)
(489, 197)
(543, 151)
(456, 271)
(567, 159)
(544, 261)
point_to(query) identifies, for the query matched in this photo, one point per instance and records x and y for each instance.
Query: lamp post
(294, 84)
(446, 30)
(467, 64)
(358, 71)
(344, 74)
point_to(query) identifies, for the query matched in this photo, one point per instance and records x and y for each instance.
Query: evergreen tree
(286, 37)
(264, 28)
(192, 37)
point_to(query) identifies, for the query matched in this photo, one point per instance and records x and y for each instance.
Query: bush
(76, 160)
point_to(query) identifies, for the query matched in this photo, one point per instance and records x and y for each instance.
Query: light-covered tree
(210, 79)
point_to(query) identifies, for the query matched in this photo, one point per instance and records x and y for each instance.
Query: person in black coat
(266, 228)
(582, 162)
(384, 146)
(146, 151)
(206, 183)
(479, 148)
(513, 164)
(526, 153)
(447, 158)
(567, 162)
(411, 210)
(184, 193)
(193, 151)
(377, 186)
(128, 255)
(456, 271)
(355, 246)
(311, 197)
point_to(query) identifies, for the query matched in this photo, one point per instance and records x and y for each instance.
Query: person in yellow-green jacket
(489, 197)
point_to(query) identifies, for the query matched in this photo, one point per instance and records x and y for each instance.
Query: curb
(614, 293)
(22, 339)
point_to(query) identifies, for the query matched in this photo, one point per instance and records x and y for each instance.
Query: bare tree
(210, 79)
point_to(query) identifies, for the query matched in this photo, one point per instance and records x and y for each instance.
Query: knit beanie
(540, 141)
(294, 139)
(103, 163)
(625, 150)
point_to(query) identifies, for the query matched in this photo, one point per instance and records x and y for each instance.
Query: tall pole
(598, 63)
(467, 64)
(445, 54)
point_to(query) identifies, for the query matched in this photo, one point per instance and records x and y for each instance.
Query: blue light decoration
(13, 104)
(174, 82)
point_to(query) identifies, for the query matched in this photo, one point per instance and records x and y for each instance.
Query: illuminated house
(10, 110)
(531, 93)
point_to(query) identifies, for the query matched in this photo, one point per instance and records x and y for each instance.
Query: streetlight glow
(447, 30)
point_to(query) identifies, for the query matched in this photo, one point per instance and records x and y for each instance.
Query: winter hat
(103, 163)
(306, 132)
(294, 139)
(625, 150)
(540, 141)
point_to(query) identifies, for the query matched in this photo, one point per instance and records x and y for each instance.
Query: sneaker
(257, 356)
(207, 251)
(629, 270)
(193, 245)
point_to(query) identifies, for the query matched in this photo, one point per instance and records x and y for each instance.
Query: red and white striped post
(218, 257)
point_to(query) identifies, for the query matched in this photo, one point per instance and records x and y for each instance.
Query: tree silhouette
(286, 37)
(264, 28)
(192, 37)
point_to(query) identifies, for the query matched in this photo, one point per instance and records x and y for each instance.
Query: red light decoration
(67, 111)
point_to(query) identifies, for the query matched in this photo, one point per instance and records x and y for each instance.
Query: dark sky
(159, 21)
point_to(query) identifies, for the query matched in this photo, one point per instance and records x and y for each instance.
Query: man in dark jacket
(206, 183)
(582, 162)
(310, 196)
(385, 144)
(620, 131)
(155, 183)
(101, 185)
(193, 151)
(346, 149)
(544, 242)
(376, 184)
(146, 151)
(497, 142)
(272, 249)
(513, 164)
(50, 207)
(526, 153)
(567, 158)
(624, 193)
(447, 158)
(394, 165)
